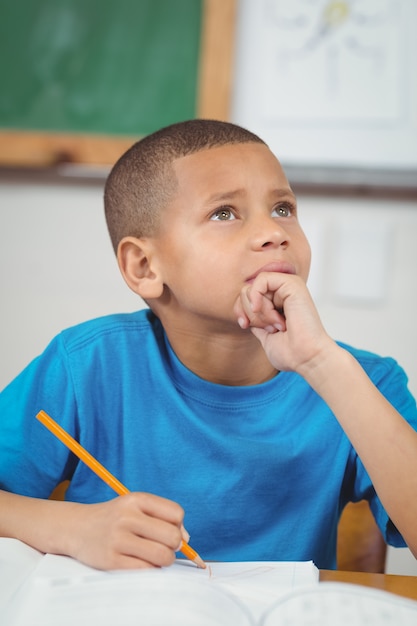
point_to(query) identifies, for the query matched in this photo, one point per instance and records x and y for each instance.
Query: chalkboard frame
(92, 154)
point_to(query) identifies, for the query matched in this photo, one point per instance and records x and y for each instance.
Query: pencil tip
(199, 562)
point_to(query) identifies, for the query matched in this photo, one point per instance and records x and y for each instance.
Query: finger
(151, 517)
(149, 540)
(146, 552)
(238, 310)
(154, 529)
(137, 553)
(254, 299)
(260, 334)
(158, 507)
(260, 310)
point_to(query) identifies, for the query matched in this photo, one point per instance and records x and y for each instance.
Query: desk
(401, 585)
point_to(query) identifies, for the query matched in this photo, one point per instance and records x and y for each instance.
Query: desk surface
(401, 585)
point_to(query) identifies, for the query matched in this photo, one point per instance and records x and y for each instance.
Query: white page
(17, 562)
(343, 604)
(123, 600)
(65, 591)
(259, 584)
(255, 584)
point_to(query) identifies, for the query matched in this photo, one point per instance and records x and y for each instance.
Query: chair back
(360, 544)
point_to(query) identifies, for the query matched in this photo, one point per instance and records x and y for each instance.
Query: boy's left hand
(280, 312)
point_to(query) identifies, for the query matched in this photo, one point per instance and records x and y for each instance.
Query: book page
(147, 598)
(259, 584)
(342, 604)
(17, 562)
(255, 584)
(63, 591)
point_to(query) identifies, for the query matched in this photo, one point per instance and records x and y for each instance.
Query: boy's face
(233, 215)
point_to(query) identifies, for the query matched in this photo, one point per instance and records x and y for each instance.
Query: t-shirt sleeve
(32, 460)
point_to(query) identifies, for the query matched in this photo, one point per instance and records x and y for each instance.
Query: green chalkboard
(123, 67)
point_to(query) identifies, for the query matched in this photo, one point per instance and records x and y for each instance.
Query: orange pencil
(103, 473)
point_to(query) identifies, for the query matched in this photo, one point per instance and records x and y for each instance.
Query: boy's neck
(234, 360)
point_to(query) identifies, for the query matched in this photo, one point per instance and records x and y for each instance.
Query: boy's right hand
(133, 531)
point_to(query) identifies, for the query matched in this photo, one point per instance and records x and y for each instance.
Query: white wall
(57, 268)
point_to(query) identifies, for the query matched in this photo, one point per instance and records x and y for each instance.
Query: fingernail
(270, 329)
(241, 322)
(278, 327)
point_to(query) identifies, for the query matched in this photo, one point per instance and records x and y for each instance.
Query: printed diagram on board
(333, 60)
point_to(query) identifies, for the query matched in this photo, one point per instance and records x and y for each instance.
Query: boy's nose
(269, 234)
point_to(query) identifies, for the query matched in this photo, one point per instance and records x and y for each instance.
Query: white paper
(55, 590)
(17, 562)
(63, 591)
(342, 604)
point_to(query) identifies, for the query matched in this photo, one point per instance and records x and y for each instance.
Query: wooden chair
(59, 491)
(360, 544)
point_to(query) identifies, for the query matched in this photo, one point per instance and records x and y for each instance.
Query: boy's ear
(139, 268)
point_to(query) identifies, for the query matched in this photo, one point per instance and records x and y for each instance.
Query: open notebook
(49, 590)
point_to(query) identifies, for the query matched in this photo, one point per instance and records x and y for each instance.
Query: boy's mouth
(282, 267)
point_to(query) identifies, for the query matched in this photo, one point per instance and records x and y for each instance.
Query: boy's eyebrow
(225, 195)
(222, 196)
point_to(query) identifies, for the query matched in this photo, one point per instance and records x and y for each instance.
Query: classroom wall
(57, 268)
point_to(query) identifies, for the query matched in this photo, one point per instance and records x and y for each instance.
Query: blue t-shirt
(263, 472)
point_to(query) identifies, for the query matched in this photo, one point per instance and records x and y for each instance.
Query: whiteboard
(331, 84)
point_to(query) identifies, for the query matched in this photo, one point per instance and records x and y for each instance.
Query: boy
(226, 399)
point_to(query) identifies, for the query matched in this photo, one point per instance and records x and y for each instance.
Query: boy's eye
(283, 210)
(224, 214)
